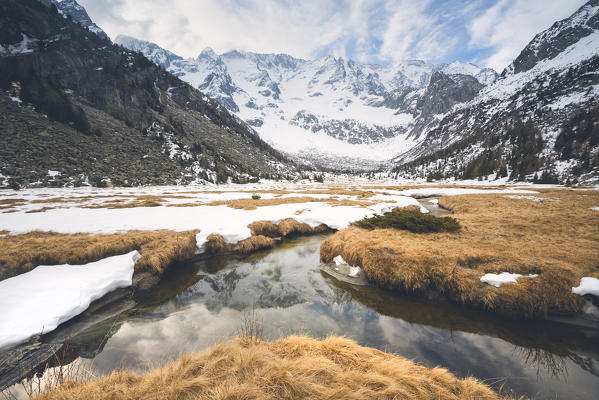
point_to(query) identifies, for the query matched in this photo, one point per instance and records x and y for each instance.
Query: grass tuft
(410, 219)
(215, 244)
(291, 368)
(255, 243)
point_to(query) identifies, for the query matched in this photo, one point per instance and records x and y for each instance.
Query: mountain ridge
(330, 103)
(93, 112)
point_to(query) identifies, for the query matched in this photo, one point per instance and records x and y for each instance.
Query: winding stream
(202, 302)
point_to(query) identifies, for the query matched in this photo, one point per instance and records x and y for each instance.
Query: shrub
(410, 219)
(256, 196)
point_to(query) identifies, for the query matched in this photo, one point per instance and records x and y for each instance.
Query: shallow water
(203, 302)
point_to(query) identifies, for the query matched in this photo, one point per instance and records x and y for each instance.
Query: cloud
(488, 32)
(509, 25)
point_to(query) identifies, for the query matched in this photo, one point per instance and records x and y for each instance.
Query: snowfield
(38, 301)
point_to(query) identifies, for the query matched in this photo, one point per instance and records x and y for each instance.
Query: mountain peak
(77, 13)
(562, 34)
(208, 52)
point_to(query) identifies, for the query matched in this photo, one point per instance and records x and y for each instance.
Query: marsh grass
(557, 240)
(410, 219)
(252, 204)
(22, 253)
(292, 368)
(255, 243)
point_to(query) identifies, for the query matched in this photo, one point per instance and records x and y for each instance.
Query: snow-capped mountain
(544, 108)
(333, 111)
(446, 120)
(78, 14)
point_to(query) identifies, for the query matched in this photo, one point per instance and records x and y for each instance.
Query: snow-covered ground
(41, 299)
(67, 210)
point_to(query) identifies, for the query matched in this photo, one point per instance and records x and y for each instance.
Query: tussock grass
(289, 227)
(264, 228)
(409, 219)
(215, 244)
(559, 240)
(285, 228)
(22, 253)
(291, 368)
(255, 243)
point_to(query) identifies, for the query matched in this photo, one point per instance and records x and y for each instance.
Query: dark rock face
(444, 91)
(546, 92)
(79, 15)
(561, 35)
(96, 111)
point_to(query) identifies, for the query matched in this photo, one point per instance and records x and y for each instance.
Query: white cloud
(509, 25)
(366, 30)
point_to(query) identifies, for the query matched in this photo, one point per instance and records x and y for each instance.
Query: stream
(202, 302)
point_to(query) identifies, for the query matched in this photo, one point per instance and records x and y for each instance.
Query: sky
(488, 33)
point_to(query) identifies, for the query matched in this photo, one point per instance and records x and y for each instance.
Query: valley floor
(521, 251)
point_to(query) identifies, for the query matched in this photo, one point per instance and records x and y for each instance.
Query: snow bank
(43, 298)
(505, 277)
(595, 208)
(587, 286)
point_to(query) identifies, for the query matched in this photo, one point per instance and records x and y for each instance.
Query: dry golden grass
(252, 204)
(559, 240)
(255, 243)
(215, 243)
(264, 228)
(291, 368)
(287, 227)
(21, 253)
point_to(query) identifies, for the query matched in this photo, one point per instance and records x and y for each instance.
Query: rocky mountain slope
(539, 120)
(331, 111)
(443, 121)
(75, 11)
(77, 109)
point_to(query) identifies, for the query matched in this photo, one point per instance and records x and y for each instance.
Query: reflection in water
(203, 303)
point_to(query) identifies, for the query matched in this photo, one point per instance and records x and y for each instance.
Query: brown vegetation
(291, 368)
(252, 204)
(559, 240)
(215, 243)
(21, 253)
(255, 243)
(285, 228)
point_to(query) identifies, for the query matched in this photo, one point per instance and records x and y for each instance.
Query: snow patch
(505, 277)
(587, 285)
(38, 301)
